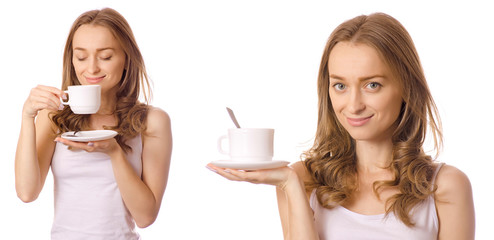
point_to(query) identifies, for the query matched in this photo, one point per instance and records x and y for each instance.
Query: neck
(108, 103)
(373, 157)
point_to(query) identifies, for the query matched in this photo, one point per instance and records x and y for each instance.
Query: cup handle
(220, 148)
(65, 103)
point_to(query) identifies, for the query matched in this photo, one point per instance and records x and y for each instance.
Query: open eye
(373, 85)
(339, 86)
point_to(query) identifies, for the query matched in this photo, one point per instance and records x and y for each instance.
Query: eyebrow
(97, 49)
(334, 76)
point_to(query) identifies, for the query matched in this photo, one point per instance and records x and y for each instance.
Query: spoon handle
(232, 116)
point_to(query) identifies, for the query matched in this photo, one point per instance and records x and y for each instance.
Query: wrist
(116, 153)
(27, 122)
(292, 182)
(28, 117)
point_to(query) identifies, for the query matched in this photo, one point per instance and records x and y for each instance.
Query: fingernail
(61, 106)
(64, 97)
(210, 168)
(227, 170)
(90, 144)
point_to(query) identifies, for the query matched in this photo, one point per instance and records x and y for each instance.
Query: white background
(260, 58)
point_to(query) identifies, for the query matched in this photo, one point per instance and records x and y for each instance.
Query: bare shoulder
(452, 185)
(157, 121)
(301, 170)
(454, 204)
(157, 140)
(155, 113)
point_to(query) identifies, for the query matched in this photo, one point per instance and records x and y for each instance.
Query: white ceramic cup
(248, 144)
(84, 99)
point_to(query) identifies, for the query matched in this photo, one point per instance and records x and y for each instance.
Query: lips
(357, 122)
(94, 80)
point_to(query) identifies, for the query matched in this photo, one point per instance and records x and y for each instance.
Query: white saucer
(249, 165)
(87, 136)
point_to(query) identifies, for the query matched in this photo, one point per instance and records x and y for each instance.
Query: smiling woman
(97, 56)
(364, 93)
(367, 175)
(103, 191)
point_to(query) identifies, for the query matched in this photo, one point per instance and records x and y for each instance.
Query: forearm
(299, 216)
(137, 196)
(27, 169)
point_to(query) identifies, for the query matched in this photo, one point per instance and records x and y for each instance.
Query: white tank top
(88, 204)
(340, 223)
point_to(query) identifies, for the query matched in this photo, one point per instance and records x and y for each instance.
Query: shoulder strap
(313, 199)
(438, 167)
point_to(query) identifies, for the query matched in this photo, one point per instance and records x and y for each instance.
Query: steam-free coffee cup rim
(251, 129)
(90, 86)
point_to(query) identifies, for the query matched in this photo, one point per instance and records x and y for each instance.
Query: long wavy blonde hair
(130, 113)
(332, 160)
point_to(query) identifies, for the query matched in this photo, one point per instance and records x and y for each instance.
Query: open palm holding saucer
(89, 136)
(249, 165)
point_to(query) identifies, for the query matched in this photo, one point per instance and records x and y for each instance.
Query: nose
(355, 102)
(93, 66)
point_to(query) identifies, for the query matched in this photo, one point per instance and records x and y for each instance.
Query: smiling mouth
(357, 122)
(94, 80)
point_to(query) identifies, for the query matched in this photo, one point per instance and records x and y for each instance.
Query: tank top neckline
(380, 215)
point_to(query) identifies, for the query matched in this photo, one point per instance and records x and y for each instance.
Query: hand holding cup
(42, 97)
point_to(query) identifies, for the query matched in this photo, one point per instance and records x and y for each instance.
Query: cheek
(78, 68)
(117, 68)
(338, 104)
(389, 108)
(396, 109)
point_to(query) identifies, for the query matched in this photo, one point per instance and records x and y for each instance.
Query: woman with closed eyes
(102, 188)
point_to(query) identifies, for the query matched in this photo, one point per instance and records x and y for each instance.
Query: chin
(362, 135)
